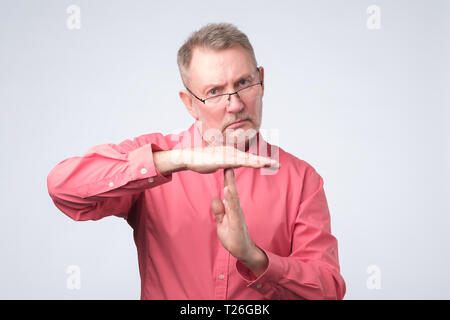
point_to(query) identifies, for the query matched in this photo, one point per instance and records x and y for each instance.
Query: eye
(243, 82)
(212, 92)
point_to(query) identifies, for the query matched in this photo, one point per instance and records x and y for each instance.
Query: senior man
(216, 211)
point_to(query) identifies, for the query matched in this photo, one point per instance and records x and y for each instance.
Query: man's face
(213, 72)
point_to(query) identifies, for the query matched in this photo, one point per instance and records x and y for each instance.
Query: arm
(312, 270)
(107, 179)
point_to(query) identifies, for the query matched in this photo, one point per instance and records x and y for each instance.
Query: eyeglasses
(220, 99)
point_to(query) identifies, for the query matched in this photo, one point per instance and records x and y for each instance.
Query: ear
(187, 99)
(261, 74)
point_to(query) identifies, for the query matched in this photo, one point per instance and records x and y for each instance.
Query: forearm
(294, 278)
(168, 161)
(105, 180)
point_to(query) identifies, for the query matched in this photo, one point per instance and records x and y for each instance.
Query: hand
(232, 229)
(208, 159)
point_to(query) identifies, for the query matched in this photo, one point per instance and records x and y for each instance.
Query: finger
(229, 179)
(230, 183)
(259, 161)
(218, 209)
(267, 162)
(231, 201)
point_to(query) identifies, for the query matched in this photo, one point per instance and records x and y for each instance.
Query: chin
(240, 136)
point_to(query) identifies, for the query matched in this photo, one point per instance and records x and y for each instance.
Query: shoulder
(158, 140)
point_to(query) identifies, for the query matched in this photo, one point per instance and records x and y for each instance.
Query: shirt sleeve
(107, 179)
(312, 269)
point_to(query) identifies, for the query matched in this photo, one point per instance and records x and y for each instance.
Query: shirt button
(259, 285)
(221, 276)
(143, 171)
(150, 180)
(111, 184)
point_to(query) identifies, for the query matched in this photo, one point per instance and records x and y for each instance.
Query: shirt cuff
(139, 173)
(142, 165)
(266, 281)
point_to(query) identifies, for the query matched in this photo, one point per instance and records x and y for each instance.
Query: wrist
(256, 261)
(169, 161)
(178, 159)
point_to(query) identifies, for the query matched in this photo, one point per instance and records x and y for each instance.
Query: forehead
(219, 66)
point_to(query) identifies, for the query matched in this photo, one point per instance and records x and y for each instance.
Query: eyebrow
(217, 85)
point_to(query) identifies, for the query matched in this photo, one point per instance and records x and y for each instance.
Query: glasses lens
(215, 101)
(244, 94)
(248, 92)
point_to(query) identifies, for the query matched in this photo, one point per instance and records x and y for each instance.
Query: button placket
(223, 256)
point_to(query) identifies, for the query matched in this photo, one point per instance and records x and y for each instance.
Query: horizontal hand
(208, 159)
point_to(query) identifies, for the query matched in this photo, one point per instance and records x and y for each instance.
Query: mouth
(236, 124)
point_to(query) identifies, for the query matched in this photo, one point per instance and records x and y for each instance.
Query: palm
(231, 226)
(210, 159)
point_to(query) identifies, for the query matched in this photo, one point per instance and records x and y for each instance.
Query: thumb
(218, 208)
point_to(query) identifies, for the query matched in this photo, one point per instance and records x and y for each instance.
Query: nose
(235, 104)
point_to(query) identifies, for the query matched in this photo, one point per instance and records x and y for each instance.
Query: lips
(236, 124)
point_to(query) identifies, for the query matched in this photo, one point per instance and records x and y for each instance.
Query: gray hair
(217, 36)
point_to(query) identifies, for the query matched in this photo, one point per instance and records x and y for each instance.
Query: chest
(181, 209)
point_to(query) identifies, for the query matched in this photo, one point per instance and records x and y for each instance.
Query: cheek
(212, 118)
(255, 109)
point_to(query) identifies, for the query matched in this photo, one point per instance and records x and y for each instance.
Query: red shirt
(174, 228)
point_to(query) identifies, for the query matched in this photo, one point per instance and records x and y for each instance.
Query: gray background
(369, 109)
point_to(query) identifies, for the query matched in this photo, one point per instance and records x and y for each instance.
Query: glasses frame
(226, 94)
